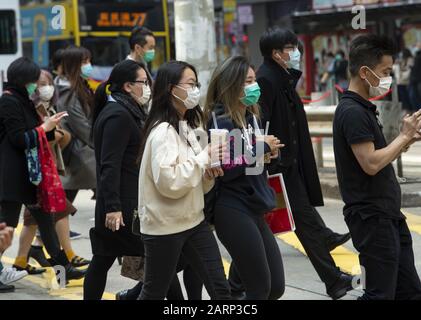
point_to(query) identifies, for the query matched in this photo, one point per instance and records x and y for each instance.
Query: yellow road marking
(413, 221)
(47, 280)
(344, 258)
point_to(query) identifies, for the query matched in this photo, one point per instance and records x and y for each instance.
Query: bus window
(8, 35)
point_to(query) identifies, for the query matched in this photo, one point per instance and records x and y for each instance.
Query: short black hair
(138, 36)
(276, 39)
(23, 71)
(368, 50)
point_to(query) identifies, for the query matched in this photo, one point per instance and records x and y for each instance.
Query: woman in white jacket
(174, 176)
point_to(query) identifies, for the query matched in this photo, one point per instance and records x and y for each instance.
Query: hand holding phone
(51, 122)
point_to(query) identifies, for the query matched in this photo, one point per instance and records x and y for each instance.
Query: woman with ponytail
(118, 119)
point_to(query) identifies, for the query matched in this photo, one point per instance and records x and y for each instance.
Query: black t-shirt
(356, 122)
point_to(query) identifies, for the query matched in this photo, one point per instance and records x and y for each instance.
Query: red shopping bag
(51, 195)
(280, 219)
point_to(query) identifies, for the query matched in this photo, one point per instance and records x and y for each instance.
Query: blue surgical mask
(294, 59)
(87, 70)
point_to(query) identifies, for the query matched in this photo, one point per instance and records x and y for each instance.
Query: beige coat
(171, 182)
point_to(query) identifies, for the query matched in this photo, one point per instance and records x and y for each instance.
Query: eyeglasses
(145, 82)
(192, 85)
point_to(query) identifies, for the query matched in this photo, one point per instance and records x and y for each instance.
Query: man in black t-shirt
(366, 176)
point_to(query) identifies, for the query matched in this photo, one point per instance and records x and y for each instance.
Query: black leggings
(193, 283)
(200, 249)
(254, 250)
(96, 279)
(10, 212)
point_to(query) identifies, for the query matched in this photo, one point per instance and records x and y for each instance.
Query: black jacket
(17, 116)
(117, 139)
(282, 107)
(238, 190)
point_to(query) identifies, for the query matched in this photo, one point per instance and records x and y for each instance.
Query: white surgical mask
(294, 59)
(144, 99)
(193, 97)
(384, 85)
(46, 93)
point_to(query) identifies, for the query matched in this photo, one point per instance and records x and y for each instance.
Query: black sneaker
(4, 288)
(30, 269)
(79, 261)
(38, 255)
(341, 286)
(122, 295)
(74, 235)
(73, 273)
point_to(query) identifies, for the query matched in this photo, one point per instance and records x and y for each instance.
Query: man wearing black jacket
(283, 109)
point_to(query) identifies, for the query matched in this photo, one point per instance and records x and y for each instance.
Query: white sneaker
(10, 275)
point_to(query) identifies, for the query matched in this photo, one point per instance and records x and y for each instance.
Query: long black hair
(125, 71)
(71, 61)
(163, 110)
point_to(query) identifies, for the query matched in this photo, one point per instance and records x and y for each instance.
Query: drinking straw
(215, 124)
(267, 128)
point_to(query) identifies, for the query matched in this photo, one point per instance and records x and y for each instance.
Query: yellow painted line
(344, 258)
(47, 280)
(413, 221)
(226, 266)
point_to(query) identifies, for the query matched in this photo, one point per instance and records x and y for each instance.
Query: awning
(336, 19)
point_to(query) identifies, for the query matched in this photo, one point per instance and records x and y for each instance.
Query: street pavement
(302, 282)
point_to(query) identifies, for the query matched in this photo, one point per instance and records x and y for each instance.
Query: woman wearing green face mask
(18, 121)
(244, 194)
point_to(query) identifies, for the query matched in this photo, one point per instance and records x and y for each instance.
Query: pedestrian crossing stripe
(413, 221)
(344, 258)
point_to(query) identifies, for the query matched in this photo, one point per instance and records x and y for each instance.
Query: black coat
(282, 107)
(17, 116)
(117, 139)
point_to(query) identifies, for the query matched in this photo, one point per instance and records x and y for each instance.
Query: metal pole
(76, 26)
(167, 30)
(318, 151)
(195, 39)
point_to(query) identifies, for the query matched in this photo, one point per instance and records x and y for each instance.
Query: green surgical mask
(31, 87)
(252, 94)
(149, 55)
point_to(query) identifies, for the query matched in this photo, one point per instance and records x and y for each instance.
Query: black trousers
(199, 247)
(311, 229)
(254, 252)
(96, 279)
(386, 257)
(10, 212)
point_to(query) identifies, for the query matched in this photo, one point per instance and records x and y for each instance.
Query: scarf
(138, 112)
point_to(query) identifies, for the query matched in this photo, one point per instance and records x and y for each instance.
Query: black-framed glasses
(192, 85)
(145, 82)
